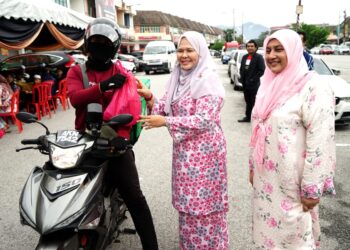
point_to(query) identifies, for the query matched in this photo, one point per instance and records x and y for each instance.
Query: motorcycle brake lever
(25, 148)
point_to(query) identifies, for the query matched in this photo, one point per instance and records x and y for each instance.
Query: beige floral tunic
(299, 161)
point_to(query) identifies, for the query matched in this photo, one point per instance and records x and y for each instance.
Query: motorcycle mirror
(121, 119)
(26, 117)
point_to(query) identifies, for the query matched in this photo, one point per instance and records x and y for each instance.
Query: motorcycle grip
(30, 141)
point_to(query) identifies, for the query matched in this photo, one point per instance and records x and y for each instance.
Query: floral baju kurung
(199, 178)
(299, 161)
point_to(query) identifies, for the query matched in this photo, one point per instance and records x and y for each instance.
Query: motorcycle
(67, 201)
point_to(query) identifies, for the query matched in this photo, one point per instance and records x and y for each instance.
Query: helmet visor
(102, 30)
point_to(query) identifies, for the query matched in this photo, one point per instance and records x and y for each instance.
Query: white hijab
(200, 81)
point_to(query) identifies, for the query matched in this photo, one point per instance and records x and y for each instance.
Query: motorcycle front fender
(58, 242)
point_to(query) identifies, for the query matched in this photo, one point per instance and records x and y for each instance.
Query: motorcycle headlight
(64, 158)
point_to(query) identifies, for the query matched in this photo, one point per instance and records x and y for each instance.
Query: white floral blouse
(299, 161)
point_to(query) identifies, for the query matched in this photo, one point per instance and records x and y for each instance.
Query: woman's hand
(309, 204)
(251, 176)
(145, 93)
(143, 90)
(152, 121)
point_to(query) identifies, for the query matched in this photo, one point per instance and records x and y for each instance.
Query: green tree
(228, 35)
(261, 38)
(239, 39)
(217, 45)
(314, 35)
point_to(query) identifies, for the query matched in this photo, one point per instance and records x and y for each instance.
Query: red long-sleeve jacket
(80, 97)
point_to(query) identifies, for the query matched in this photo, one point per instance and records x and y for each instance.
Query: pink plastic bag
(125, 100)
(2, 133)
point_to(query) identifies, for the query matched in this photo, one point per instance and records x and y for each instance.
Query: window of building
(127, 20)
(91, 8)
(150, 29)
(62, 2)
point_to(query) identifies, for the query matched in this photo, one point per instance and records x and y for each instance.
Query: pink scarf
(276, 89)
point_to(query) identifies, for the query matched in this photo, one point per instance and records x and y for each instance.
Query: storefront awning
(40, 25)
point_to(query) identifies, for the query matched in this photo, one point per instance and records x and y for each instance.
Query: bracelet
(149, 98)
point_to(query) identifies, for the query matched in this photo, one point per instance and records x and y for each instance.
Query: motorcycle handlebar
(30, 141)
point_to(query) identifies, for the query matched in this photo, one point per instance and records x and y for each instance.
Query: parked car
(129, 66)
(227, 55)
(138, 54)
(234, 65)
(33, 63)
(326, 50)
(315, 50)
(340, 87)
(159, 56)
(79, 58)
(346, 44)
(130, 58)
(215, 53)
(342, 50)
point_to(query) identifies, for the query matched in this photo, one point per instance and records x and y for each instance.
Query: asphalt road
(153, 156)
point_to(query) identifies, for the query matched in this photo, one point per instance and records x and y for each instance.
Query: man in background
(252, 68)
(309, 59)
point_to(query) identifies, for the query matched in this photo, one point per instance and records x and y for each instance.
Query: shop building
(156, 25)
(60, 24)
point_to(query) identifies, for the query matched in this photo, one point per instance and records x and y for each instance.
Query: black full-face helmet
(103, 27)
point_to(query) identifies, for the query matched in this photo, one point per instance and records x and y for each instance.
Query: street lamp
(299, 10)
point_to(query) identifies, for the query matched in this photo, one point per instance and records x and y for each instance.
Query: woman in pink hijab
(292, 159)
(190, 109)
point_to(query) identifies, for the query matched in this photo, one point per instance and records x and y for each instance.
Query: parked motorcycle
(67, 200)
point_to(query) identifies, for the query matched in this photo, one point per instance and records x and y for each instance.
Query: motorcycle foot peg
(129, 231)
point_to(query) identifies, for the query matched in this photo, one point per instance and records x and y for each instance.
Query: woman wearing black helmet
(102, 40)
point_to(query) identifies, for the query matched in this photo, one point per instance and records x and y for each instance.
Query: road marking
(342, 145)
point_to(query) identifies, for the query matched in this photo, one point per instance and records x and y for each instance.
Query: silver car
(340, 87)
(234, 65)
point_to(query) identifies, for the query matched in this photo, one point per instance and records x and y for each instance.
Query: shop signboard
(105, 8)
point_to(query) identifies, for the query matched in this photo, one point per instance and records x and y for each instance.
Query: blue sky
(265, 12)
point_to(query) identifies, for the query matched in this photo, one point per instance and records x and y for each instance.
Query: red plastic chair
(62, 94)
(14, 111)
(40, 100)
(50, 98)
(45, 106)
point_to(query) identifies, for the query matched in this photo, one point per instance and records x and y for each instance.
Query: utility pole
(234, 26)
(299, 10)
(338, 28)
(242, 29)
(346, 27)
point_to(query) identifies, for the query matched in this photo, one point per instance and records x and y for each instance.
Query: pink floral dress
(199, 177)
(299, 162)
(5, 97)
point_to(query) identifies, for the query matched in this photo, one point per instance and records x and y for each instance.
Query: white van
(346, 44)
(159, 56)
